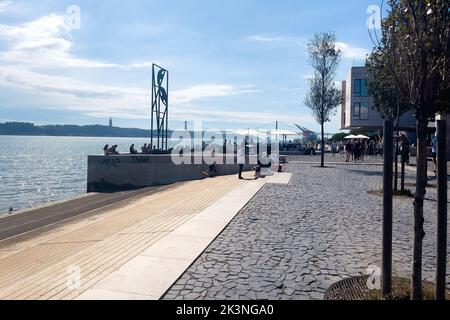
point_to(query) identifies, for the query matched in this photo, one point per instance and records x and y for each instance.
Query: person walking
(356, 151)
(434, 153)
(405, 149)
(334, 149)
(348, 150)
(241, 160)
(363, 150)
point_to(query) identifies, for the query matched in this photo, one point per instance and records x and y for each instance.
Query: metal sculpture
(160, 109)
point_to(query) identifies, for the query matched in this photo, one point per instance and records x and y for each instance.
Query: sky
(232, 63)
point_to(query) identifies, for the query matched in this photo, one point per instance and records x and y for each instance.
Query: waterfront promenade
(289, 236)
(87, 256)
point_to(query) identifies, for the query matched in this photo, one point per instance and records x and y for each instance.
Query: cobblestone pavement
(294, 241)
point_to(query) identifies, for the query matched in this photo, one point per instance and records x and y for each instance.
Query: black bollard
(442, 209)
(387, 207)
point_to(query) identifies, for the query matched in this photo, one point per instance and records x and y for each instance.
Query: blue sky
(233, 63)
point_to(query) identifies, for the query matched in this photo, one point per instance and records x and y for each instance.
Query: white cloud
(351, 52)
(264, 117)
(60, 92)
(205, 91)
(284, 40)
(259, 38)
(37, 54)
(47, 42)
(23, 78)
(121, 102)
(56, 92)
(5, 5)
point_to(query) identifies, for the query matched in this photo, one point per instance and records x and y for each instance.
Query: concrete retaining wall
(125, 172)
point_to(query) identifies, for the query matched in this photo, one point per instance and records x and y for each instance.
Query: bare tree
(323, 97)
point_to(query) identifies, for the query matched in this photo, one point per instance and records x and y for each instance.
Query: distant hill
(29, 129)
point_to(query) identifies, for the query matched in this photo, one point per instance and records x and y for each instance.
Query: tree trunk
(322, 147)
(387, 208)
(419, 233)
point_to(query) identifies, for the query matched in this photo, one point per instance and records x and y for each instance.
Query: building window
(364, 112)
(361, 88)
(357, 111)
(364, 88)
(361, 111)
(357, 89)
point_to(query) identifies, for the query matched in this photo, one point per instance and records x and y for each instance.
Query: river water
(39, 170)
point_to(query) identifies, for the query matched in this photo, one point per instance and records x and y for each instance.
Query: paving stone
(192, 296)
(293, 241)
(198, 289)
(230, 285)
(251, 295)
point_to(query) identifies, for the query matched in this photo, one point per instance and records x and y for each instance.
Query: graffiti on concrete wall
(111, 162)
(140, 160)
(116, 162)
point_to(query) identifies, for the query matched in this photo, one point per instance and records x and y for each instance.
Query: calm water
(38, 170)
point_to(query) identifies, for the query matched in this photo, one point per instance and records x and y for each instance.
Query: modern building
(110, 122)
(357, 112)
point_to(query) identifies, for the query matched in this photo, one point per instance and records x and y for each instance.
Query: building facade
(356, 111)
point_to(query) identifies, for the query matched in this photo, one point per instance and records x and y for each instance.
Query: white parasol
(247, 132)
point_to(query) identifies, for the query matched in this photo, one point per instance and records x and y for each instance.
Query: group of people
(261, 169)
(113, 150)
(291, 146)
(355, 150)
(110, 150)
(358, 149)
(263, 165)
(147, 149)
(306, 148)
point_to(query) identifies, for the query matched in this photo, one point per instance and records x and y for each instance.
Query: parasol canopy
(284, 133)
(247, 132)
